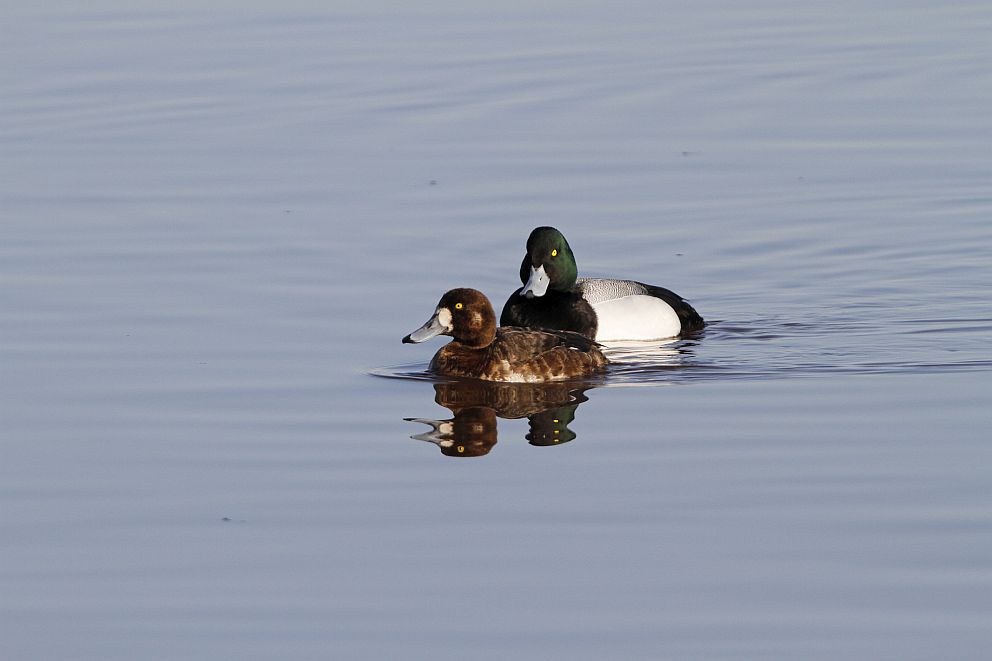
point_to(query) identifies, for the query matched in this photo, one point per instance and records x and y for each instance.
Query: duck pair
(550, 328)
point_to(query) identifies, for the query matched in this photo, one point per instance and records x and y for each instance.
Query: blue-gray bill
(537, 284)
(432, 328)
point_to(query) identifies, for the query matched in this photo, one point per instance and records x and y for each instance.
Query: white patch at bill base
(444, 318)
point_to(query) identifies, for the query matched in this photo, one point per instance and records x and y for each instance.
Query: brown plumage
(482, 351)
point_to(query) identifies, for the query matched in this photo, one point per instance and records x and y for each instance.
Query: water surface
(218, 223)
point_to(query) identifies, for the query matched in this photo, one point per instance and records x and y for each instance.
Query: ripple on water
(764, 349)
(771, 349)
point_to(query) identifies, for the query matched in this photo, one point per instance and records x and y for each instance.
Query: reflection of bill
(549, 408)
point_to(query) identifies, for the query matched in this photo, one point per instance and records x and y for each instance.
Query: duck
(480, 350)
(603, 309)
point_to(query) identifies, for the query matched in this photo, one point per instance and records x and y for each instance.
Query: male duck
(599, 308)
(482, 351)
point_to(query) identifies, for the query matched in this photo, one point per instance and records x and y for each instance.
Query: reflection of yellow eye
(554, 253)
(458, 306)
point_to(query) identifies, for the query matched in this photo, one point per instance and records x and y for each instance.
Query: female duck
(482, 351)
(602, 309)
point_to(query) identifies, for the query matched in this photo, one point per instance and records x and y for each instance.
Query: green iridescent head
(548, 264)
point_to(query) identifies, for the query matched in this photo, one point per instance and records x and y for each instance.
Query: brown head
(464, 314)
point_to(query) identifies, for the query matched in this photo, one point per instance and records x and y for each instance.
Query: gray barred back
(598, 290)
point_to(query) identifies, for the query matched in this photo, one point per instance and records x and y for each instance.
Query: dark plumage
(556, 310)
(554, 297)
(482, 351)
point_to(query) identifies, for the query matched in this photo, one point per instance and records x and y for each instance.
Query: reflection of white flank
(649, 352)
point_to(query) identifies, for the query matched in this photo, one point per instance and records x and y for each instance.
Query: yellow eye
(554, 253)
(458, 306)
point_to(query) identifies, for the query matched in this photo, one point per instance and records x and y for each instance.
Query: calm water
(218, 224)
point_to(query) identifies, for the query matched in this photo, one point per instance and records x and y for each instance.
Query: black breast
(553, 311)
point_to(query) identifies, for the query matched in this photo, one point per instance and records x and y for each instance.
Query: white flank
(636, 317)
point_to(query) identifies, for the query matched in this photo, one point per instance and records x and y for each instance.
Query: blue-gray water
(218, 223)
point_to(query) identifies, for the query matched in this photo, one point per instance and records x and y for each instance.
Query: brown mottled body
(479, 350)
(522, 355)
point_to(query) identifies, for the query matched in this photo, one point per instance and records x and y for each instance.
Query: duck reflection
(471, 433)
(548, 407)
